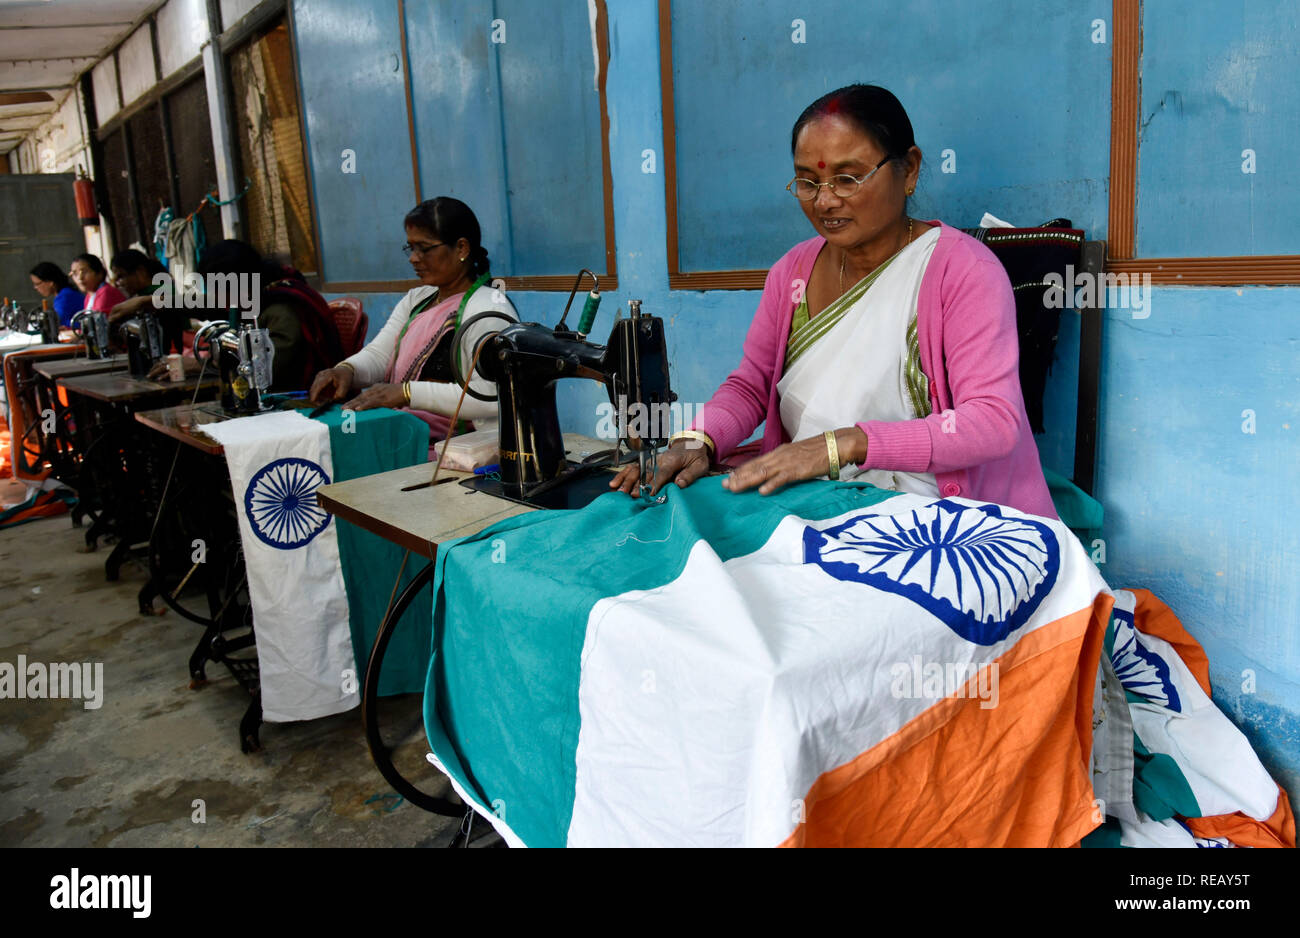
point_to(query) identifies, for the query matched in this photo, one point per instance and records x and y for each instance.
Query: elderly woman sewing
(410, 363)
(885, 348)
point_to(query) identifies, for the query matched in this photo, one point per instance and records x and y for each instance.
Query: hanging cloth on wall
(160, 227)
(199, 237)
(179, 248)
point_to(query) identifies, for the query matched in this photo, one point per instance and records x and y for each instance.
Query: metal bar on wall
(306, 151)
(164, 122)
(410, 105)
(132, 184)
(219, 115)
(169, 156)
(95, 149)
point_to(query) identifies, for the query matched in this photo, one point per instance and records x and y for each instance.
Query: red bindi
(821, 165)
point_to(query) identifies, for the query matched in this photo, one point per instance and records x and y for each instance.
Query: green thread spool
(589, 307)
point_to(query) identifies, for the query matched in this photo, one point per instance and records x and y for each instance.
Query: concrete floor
(128, 774)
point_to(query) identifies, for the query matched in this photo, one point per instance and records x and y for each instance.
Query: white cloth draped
(291, 554)
(855, 372)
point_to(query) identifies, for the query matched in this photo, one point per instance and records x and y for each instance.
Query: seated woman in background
(53, 284)
(445, 248)
(884, 346)
(89, 274)
(300, 322)
(133, 273)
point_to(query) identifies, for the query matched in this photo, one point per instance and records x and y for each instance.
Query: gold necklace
(844, 255)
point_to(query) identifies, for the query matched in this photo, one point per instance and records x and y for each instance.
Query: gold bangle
(697, 435)
(406, 390)
(833, 450)
(349, 367)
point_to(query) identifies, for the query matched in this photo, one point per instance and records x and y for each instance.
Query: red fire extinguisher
(84, 191)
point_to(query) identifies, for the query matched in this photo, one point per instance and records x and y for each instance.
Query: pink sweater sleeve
(981, 359)
(741, 403)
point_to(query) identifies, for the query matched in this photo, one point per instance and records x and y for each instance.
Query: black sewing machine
(43, 322)
(243, 357)
(144, 343)
(93, 326)
(49, 326)
(527, 359)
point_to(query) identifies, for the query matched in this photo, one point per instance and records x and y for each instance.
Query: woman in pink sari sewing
(413, 361)
(884, 349)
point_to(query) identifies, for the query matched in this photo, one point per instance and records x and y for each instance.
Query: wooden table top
(16, 341)
(74, 367)
(182, 422)
(117, 388)
(421, 518)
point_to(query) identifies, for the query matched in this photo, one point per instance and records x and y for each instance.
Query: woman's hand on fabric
(378, 395)
(795, 462)
(683, 462)
(332, 384)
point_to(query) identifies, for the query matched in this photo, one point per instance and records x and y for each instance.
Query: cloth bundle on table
(833, 664)
(318, 589)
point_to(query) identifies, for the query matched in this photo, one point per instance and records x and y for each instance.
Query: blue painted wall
(353, 99)
(1198, 511)
(1219, 81)
(1023, 66)
(505, 119)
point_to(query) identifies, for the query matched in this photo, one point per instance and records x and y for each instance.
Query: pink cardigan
(976, 441)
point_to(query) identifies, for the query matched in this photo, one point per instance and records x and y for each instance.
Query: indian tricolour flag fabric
(317, 587)
(291, 555)
(831, 664)
(1193, 778)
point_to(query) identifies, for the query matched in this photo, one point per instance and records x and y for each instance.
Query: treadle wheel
(380, 752)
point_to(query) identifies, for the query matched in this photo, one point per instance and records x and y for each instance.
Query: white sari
(856, 369)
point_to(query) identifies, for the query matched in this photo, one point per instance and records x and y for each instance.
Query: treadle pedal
(246, 672)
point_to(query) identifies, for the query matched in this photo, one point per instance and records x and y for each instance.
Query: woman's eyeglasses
(842, 186)
(408, 248)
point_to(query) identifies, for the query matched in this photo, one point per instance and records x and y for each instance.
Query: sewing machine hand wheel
(455, 350)
(208, 334)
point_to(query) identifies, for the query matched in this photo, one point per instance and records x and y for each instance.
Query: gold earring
(910, 191)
